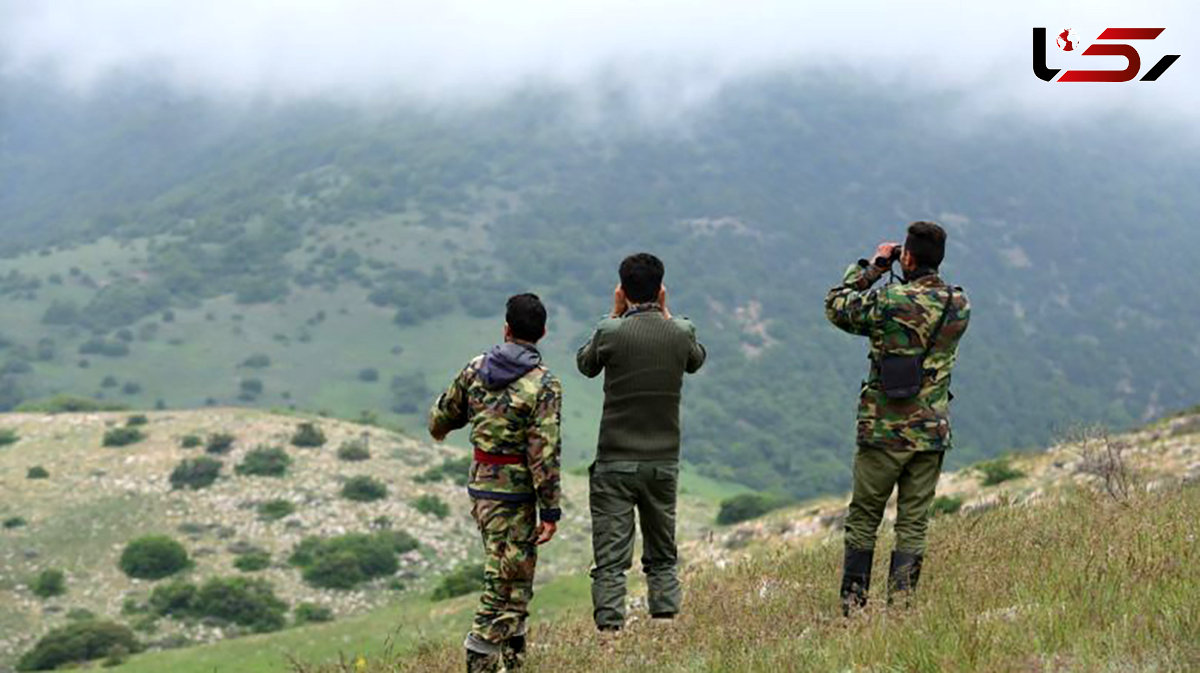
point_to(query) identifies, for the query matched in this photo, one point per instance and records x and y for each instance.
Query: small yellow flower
(360, 664)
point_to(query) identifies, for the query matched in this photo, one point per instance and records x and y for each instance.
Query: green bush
(368, 375)
(190, 441)
(236, 600)
(354, 450)
(123, 436)
(14, 522)
(311, 613)
(465, 579)
(219, 443)
(65, 404)
(136, 420)
(997, 471)
(308, 435)
(431, 504)
(8, 436)
(37, 472)
(345, 561)
(252, 561)
(746, 506)
(456, 470)
(153, 557)
(273, 510)
(264, 461)
(257, 361)
(80, 614)
(945, 504)
(364, 489)
(77, 642)
(48, 583)
(195, 473)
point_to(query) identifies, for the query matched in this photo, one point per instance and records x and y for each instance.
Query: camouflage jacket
(898, 319)
(515, 433)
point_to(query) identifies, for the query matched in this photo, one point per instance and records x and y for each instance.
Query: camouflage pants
(914, 474)
(509, 531)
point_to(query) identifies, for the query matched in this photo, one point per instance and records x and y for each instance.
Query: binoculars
(882, 261)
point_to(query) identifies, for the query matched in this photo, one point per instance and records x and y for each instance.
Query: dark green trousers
(876, 472)
(617, 489)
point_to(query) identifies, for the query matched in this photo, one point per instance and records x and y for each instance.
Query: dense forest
(129, 206)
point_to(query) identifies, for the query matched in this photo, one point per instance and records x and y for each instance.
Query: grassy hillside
(95, 499)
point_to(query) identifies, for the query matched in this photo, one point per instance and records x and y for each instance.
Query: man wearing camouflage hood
(904, 407)
(513, 405)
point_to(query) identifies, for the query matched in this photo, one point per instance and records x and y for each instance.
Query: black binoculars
(891, 259)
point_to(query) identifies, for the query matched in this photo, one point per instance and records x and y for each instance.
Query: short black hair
(526, 316)
(927, 243)
(641, 277)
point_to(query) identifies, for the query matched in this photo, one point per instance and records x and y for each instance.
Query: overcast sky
(678, 51)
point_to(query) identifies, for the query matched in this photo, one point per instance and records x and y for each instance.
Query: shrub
(14, 522)
(465, 579)
(131, 388)
(311, 613)
(354, 450)
(431, 504)
(8, 436)
(106, 347)
(945, 504)
(195, 473)
(237, 600)
(80, 614)
(368, 375)
(219, 443)
(308, 435)
(153, 557)
(61, 404)
(264, 461)
(175, 599)
(250, 388)
(345, 561)
(364, 489)
(190, 441)
(257, 361)
(252, 561)
(457, 470)
(273, 510)
(77, 642)
(136, 420)
(123, 436)
(746, 506)
(37, 472)
(997, 471)
(50, 582)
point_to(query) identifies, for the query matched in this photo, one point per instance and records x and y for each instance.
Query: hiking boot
(513, 653)
(903, 574)
(663, 616)
(477, 662)
(856, 578)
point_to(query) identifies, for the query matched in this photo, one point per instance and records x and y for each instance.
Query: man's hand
(546, 531)
(620, 303)
(885, 251)
(662, 301)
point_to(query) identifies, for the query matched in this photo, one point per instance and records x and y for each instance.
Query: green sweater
(644, 357)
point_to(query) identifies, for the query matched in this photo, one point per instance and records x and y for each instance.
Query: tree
(77, 642)
(195, 473)
(50, 582)
(364, 489)
(153, 557)
(264, 461)
(308, 435)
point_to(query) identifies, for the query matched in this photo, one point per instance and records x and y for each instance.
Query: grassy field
(1080, 583)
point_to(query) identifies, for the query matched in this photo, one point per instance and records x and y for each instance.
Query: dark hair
(927, 243)
(526, 316)
(641, 277)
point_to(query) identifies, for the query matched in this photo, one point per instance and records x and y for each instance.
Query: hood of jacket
(506, 363)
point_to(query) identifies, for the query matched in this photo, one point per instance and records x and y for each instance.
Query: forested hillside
(174, 250)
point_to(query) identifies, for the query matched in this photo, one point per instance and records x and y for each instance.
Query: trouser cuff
(478, 645)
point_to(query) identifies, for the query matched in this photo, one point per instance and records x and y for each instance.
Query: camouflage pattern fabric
(898, 319)
(519, 423)
(509, 531)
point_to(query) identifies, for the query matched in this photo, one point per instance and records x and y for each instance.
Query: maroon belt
(497, 458)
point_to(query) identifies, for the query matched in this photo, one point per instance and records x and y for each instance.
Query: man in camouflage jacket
(901, 441)
(513, 404)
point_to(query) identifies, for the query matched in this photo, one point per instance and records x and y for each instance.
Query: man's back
(644, 356)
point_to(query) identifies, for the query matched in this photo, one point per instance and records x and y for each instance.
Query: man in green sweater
(644, 353)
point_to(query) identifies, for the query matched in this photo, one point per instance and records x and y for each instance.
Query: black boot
(481, 663)
(514, 653)
(856, 578)
(903, 574)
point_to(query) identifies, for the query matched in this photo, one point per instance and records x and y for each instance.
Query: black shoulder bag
(901, 376)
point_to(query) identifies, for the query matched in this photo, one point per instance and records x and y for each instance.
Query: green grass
(1078, 584)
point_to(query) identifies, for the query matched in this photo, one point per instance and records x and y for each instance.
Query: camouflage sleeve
(588, 359)
(450, 411)
(545, 449)
(698, 354)
(853, 306)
